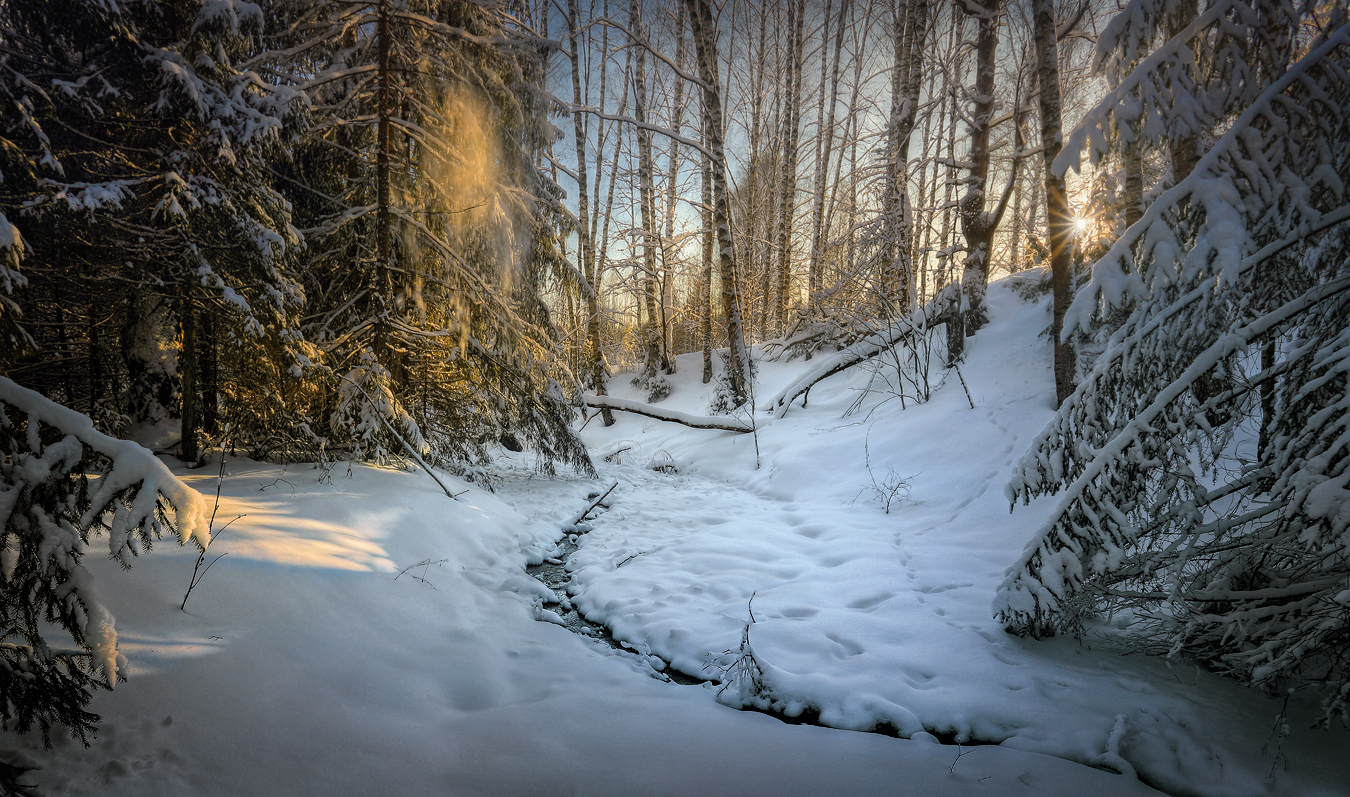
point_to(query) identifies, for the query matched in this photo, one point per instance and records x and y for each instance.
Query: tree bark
(976, 223)
(672, 185)
(825, 141)
(705, 283)
(381, 286)
(1059, 222)
(210, 371)
(789, 141)
(654, 356)
(187, 372)
(594, 356)
(705, 45)
(909, 30)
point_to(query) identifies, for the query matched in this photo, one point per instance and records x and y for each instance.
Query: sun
(1080, 226)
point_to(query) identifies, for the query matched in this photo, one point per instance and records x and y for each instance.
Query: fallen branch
(861, 351)
(725, 424)
(581, 516)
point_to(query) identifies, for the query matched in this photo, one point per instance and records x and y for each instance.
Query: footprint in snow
(850, 647)
(871, 601)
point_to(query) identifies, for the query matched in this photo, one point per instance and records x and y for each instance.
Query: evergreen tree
(49, 510)
(431, 227)
(134, 168)
(1228, 302)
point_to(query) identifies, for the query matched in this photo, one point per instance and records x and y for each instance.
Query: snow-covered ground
(303, 666)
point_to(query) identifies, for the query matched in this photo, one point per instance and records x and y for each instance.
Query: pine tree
(50, 509)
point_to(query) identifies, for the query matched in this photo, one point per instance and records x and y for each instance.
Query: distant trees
(1203, 459)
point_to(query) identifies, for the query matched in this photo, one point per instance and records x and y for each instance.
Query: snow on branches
(1203, 462)
(48, 507)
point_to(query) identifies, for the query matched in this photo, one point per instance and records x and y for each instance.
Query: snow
(304, 666)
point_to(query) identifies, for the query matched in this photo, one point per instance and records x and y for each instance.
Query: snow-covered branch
(723, 423)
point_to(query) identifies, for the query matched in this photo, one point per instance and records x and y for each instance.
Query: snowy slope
(870, 617)
(303, 666)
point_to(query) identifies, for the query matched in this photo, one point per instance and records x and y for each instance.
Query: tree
(978, 222)
(909, 33)
(1059, 221)
(136, 167)
(704, 30)
(594, 356)
(787, 160)
(431, 225)
(1243, 564)
(51, 508)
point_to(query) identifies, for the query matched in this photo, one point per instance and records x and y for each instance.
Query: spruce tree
(431, 227)
(1227, 309)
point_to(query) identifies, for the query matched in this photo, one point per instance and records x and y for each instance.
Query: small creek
(553, 573)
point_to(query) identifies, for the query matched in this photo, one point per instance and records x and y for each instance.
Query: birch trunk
(826, 140)
(1059, 223)
(655, 356)
(790, 140)
(705, 45)
(594, 357)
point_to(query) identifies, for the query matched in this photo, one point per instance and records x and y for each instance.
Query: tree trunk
(654, 356)
(705, 45)
(976, 223)
(909, 30)
(789, 141)
(672, 185)
(1267, 392)
(1059, 222)
(95, 357)
(825, 141)
(1134, 183)
(210, 371)
(595, 358)
(705, 284)
(381, 286)
(187, 371)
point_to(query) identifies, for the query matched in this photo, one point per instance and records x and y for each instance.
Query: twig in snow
(629, 559)
(582, 516)
(211, 536)
(957, 368)
(959, 755)
(425, 564)
(201, 557)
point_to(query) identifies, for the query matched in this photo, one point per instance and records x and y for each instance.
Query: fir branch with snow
(50, 506)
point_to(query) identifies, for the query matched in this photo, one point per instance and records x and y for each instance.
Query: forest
(527, 248)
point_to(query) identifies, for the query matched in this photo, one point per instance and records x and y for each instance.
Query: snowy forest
(634, 396)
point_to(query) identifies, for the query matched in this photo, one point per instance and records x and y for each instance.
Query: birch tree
(704, 30)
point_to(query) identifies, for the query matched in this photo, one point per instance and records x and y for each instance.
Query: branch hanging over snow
(725, 424)
(131, 464)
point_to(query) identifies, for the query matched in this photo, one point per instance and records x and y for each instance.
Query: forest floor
(368, 635)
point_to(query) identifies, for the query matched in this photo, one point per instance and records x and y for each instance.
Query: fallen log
(726, 424)
(897, 332)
